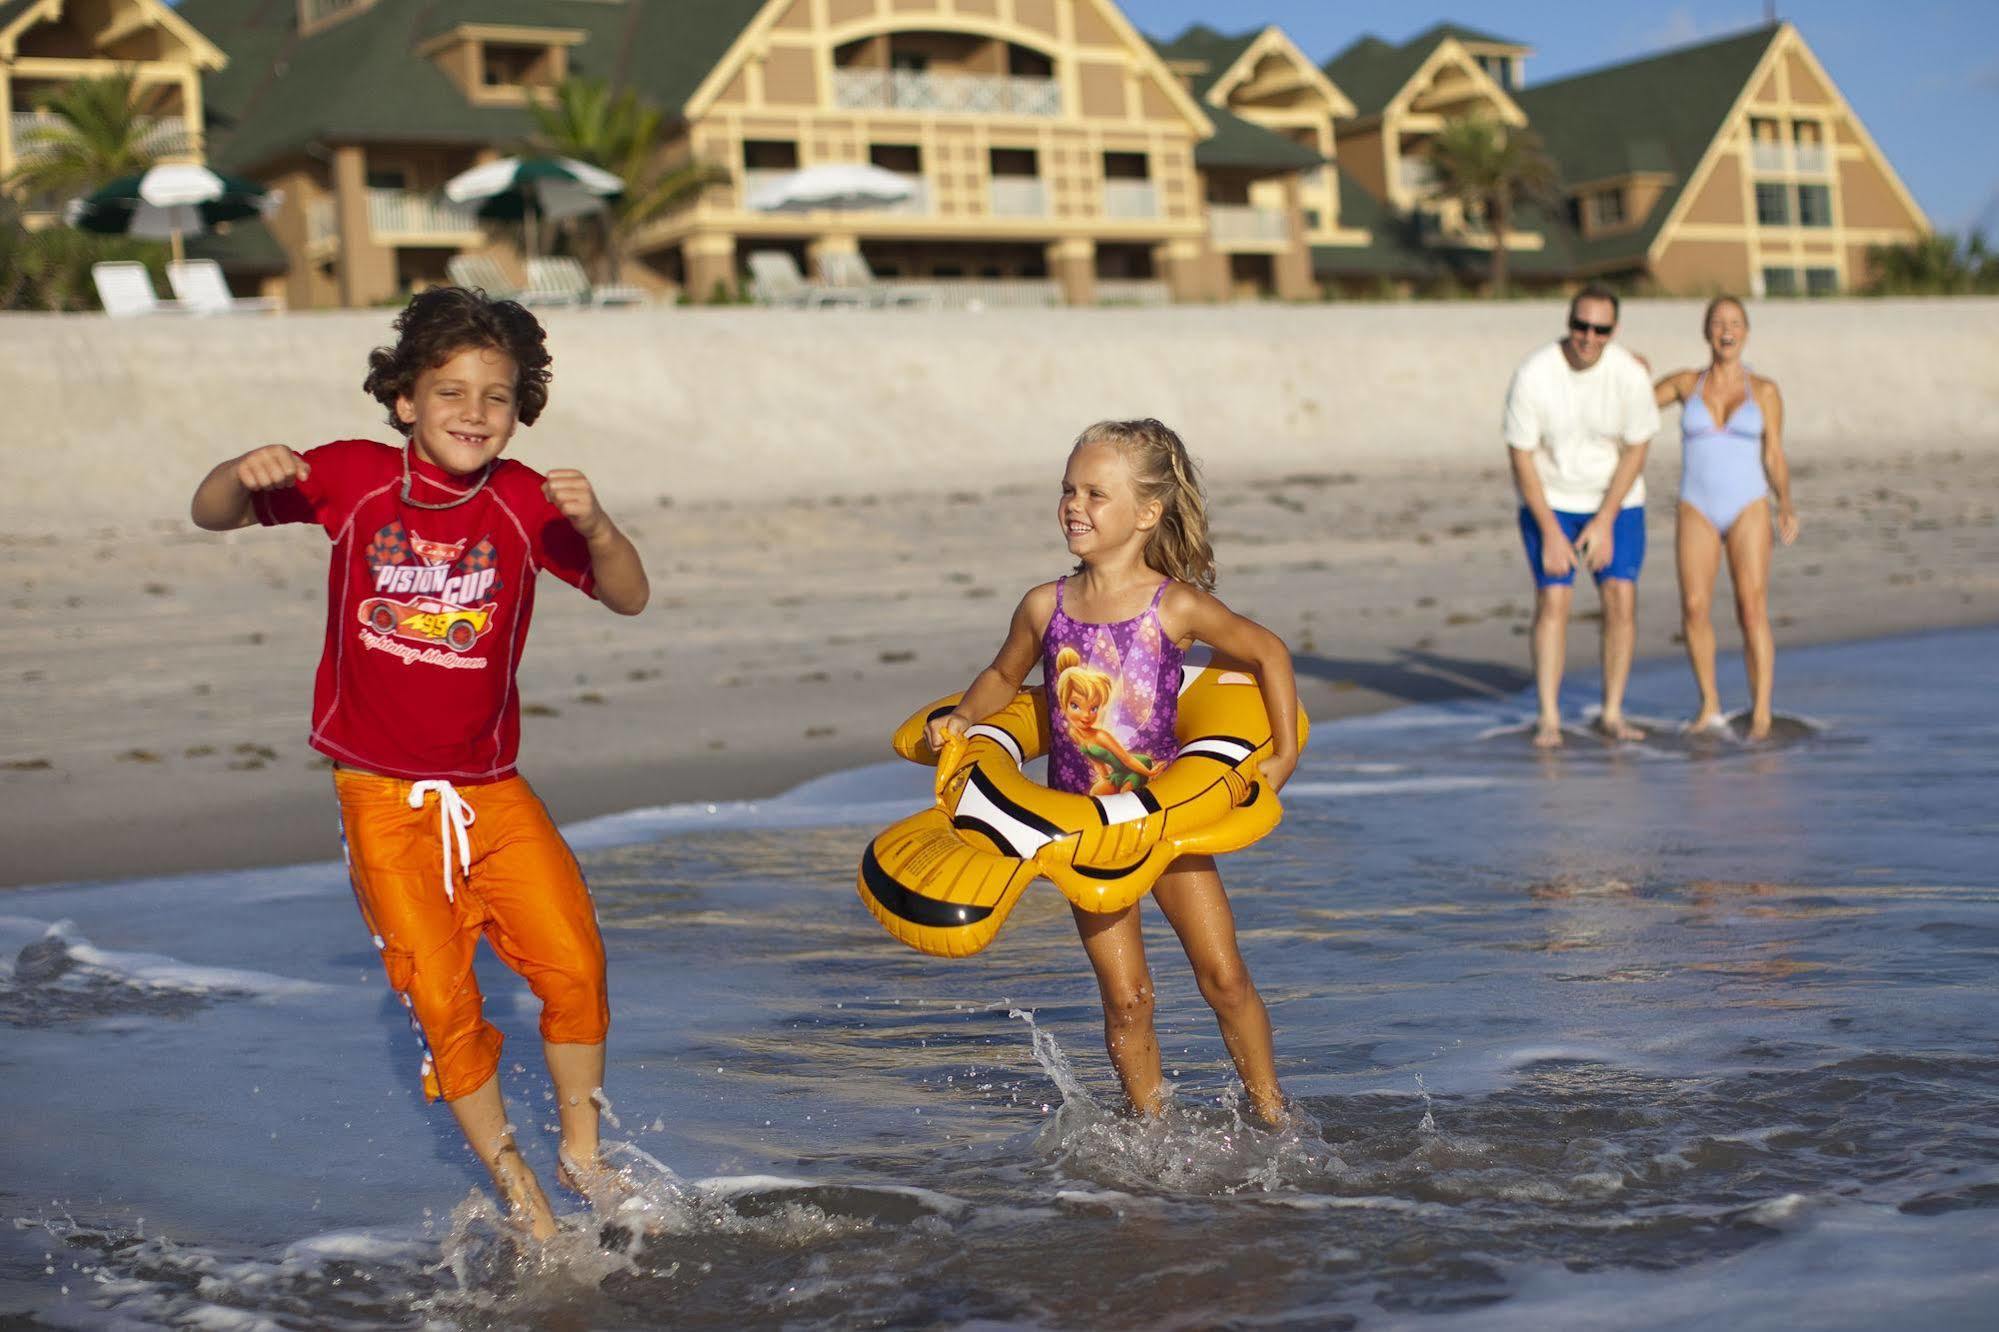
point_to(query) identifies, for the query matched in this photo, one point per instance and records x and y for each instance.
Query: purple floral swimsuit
(1113, 698)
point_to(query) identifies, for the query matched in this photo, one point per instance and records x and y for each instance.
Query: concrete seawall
(115, 422)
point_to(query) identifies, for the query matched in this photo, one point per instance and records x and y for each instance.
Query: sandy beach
(807, 597)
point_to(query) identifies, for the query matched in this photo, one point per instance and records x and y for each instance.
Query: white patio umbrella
(168, 202)
(830, 185)
(532, 189)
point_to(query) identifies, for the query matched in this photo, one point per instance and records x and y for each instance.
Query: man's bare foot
(1616, 728)
(1548, 733)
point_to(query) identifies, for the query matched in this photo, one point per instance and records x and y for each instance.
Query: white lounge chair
(559, 280)
(775, 280)
(847, 270)
(201, 289)
(482, 272)
(125, 290)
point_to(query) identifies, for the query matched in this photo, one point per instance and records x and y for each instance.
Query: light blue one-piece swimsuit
(1721, 472)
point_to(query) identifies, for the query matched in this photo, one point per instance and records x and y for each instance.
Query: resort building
(45, 45)
(1049, 150)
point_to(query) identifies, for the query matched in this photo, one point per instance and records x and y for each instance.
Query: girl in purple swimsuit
(1110, 638)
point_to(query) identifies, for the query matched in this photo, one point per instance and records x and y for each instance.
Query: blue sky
(1910, 69)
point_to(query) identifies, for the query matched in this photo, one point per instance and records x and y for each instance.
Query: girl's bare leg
(1749, 568)
(578, 1074)
(482, 1118)
(1697, 549)
(1117, 954)
(1190, 893)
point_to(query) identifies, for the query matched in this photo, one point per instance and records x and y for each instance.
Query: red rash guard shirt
(426, 609)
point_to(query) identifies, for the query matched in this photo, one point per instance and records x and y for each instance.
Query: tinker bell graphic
(1084, 696)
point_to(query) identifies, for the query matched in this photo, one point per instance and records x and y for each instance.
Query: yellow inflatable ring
(945, 880)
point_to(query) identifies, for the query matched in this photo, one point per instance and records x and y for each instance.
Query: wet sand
(157, 678)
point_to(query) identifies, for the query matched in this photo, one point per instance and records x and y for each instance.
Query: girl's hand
(569, 490)
(1787, 524)
(1277, 769)
(273, 467)
(937, 732)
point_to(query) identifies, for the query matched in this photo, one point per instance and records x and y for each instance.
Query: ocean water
(1657, 1036)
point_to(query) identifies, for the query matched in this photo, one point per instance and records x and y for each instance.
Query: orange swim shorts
(461, 863)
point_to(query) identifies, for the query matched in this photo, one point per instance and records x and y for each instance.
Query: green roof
(360, 79)
(1240, 144)
(1371, 71)
(1217, 50)
(1659, 114)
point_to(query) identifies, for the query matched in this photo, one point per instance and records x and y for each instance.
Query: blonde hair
(1707, 315)
(1075, 680)
(1162, 470)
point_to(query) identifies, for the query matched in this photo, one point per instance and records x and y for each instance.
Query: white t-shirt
(1577, 421)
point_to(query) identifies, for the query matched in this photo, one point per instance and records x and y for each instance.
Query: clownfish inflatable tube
(945, 880)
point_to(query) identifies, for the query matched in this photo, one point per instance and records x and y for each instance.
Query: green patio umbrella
(168, 202)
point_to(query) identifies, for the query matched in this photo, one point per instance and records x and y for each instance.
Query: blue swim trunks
(1627, 544)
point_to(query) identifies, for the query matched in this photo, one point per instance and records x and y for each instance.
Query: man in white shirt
(1579, 417)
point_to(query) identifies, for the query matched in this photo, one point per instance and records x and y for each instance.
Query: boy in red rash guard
(436, 545)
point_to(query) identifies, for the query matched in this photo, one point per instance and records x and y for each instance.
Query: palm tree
(99, 134)
(613, 129)
(1491, 170)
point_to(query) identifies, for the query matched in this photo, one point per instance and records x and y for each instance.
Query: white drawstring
(453, 815)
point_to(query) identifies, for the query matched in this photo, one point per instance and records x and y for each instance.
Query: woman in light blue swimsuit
(1732, 430)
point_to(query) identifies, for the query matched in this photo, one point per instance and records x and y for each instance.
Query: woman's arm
(1187, 611)
(994, 687)
(1673, 388)
(1775, 467)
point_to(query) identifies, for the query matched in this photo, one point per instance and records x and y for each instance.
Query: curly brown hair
(440, 323)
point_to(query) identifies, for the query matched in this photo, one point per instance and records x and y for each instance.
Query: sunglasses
(1584, 326)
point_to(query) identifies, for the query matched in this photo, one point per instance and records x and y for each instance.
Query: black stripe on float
(992, 834)
(914, 907)
(1021, 812)
(1255, 790)
(935, 713)
(1149, 800)
(1093, 872)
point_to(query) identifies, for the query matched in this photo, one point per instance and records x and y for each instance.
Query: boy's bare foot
(1616, 728)
(587, 1177)
(1548, 733)
(1272, 1111)
(527, 1206)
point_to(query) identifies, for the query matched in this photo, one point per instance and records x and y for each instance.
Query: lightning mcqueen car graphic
(428, 620)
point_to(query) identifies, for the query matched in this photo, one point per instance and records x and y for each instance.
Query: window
(1314, 219)
(1773, 205)
(905, 159)
(1814, 205)
(770, 155)
(1015, 162)
(388, 178)
(1780, 282)
(514, 66)
(1822, 282)
(1606, 208)
(1126, 166)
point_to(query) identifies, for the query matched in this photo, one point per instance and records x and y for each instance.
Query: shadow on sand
(1418, 677)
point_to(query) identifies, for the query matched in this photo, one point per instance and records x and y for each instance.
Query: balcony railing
(1812, 159)
(164, 136)
(1244, 223)
(1019, 196)
(1131, 199)
(968, 94)
(1416, 175)
(1133, 291)
(409, 214)
(1767, 156)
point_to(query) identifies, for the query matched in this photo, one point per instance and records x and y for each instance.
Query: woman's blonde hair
(1707, 315)
(1162, 470)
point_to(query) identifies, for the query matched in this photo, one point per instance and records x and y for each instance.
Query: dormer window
(503, 65)
(1606, 209)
